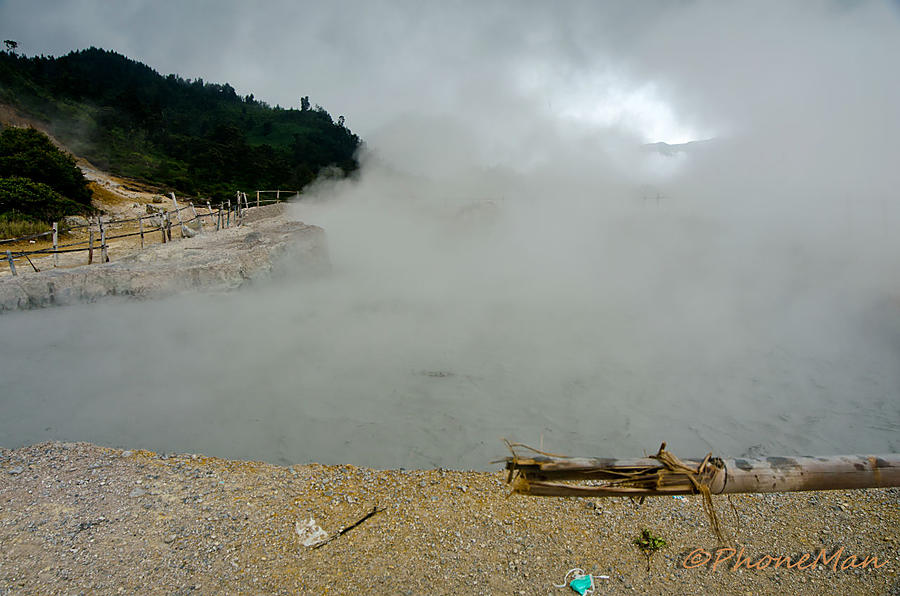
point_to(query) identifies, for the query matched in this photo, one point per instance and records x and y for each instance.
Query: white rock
(310, 533)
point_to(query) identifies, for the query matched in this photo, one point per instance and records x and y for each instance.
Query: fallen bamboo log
(542, 474)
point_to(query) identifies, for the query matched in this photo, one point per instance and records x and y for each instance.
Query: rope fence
(222, 215)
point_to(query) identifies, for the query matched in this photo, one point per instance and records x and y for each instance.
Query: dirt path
(120, 201)
(115, 197)
(77, 518)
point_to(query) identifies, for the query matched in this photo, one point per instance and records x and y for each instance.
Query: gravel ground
(76, 518)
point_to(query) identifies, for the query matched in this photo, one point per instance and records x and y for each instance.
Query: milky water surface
(270, 375)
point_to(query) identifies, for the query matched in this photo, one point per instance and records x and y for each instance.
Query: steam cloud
(512, 260)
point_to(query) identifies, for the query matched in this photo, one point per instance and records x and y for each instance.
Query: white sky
(372, 61)
(655, 71)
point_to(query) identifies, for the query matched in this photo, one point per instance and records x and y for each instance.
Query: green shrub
(29, 153)
(25, 199)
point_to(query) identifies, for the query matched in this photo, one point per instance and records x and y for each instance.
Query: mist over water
(501, 268)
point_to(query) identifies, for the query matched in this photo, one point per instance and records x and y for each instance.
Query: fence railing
(222, 215)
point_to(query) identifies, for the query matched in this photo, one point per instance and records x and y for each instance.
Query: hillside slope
(195, 137)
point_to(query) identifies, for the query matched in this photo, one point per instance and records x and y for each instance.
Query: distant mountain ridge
(670, 149)
(190, 135)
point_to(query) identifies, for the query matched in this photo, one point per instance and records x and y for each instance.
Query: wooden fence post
(168, 227)
(90, 246)
(104, 256)
(141, 226)
(228, 215)
(178, 214)
(199, 220)
(257, 198)
(55, 244)
(12, 266)
(277, 195)
(219, 218)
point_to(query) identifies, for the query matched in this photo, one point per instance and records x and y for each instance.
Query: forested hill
(197, 137)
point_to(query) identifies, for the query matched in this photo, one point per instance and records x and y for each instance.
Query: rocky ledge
(212, 261)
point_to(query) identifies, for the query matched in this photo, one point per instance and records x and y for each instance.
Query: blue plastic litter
(582, 584)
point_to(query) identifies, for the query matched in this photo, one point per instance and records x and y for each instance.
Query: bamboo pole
(12, 266)
(541, 475)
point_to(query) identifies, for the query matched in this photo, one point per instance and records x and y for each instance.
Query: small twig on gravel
(86, 525)
(343, 531)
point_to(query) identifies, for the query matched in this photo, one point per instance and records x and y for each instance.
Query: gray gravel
(86, 519)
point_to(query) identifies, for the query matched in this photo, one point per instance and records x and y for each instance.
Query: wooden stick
(12, 266)
(141, 226)
(257, 198)
(90, 246)
(162, 226)
(343, 531)
(36, 270)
